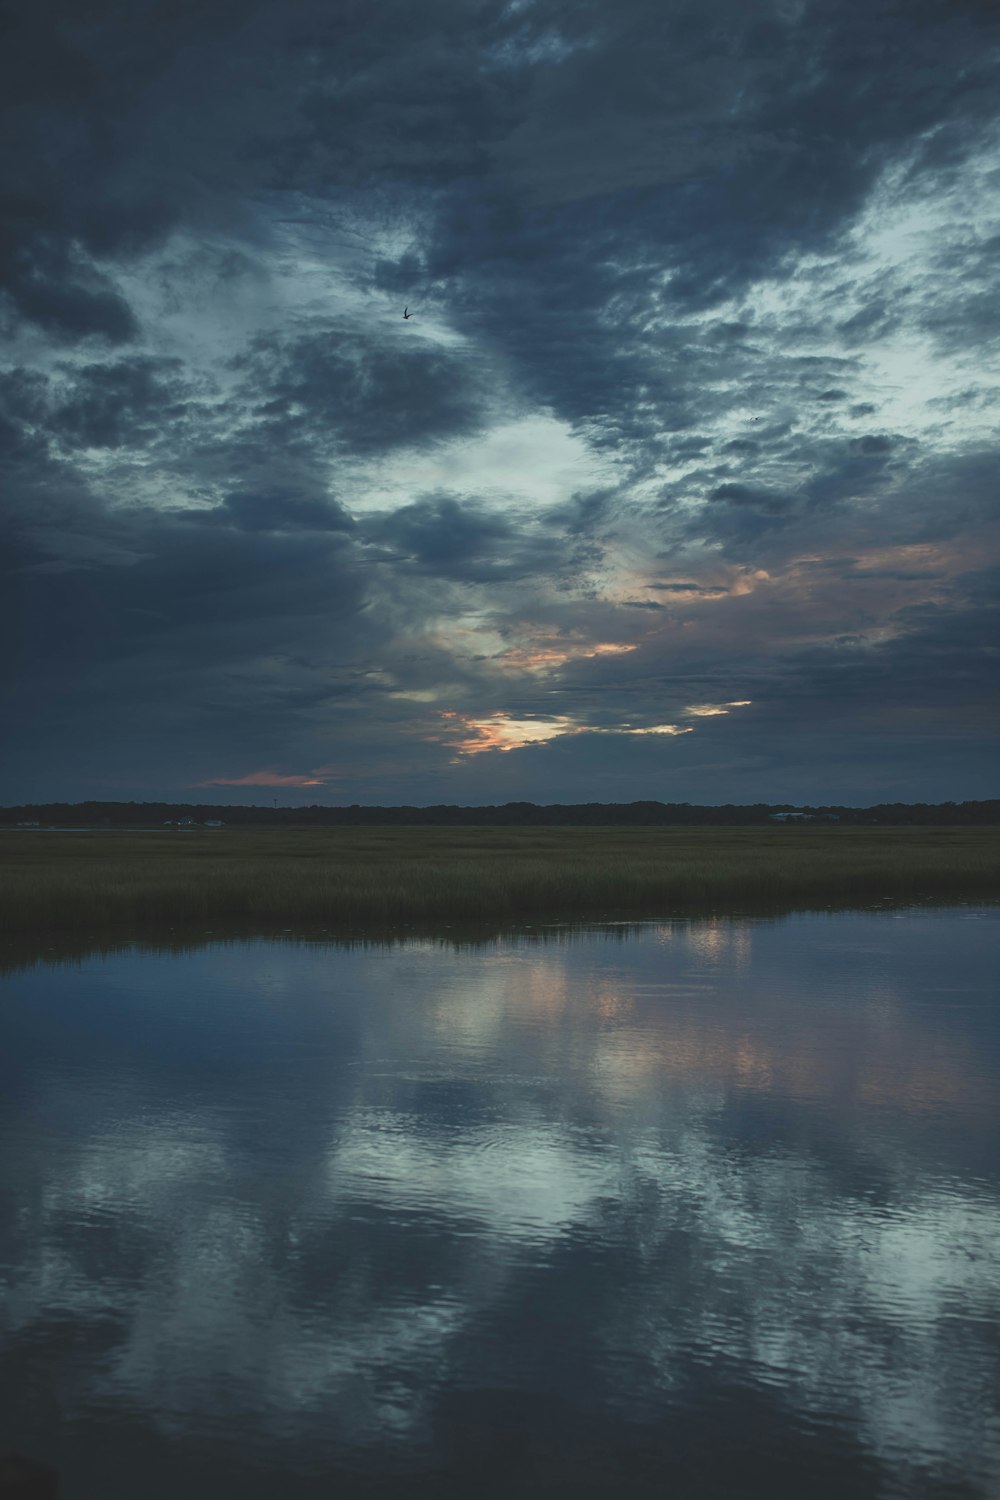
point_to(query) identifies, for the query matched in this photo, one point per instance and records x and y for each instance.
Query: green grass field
(339, 878)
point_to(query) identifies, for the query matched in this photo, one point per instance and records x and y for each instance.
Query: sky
(679, 482)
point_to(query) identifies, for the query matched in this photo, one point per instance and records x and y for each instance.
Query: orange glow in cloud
(500, 732)
(651, 729)
(709, 710)
(263, 778)
(748, 580)
(542, 658)
(909, 555)
(725, 583)
(535, 649)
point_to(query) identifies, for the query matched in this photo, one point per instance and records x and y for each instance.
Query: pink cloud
(263, 778)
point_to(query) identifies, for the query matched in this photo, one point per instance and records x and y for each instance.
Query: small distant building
(29, 823)
(168, 823)
(214, 823)
(187, 823)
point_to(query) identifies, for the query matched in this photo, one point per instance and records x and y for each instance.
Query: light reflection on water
(713, 1205)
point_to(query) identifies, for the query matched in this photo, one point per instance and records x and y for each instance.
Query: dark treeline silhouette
(509, 814)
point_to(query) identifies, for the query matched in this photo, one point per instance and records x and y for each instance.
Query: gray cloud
(267, 510)
(371, 396)
(445, 536)
(127, 401)
(700, 365)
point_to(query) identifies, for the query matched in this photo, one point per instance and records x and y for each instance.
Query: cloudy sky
(679, 482)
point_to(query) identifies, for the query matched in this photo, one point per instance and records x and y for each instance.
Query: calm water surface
(708, 1209)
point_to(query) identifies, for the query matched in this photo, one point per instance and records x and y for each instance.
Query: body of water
(703, 1208)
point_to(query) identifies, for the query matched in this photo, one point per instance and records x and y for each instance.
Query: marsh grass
(347, 877)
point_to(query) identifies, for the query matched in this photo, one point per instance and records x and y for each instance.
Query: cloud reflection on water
(315, 1190)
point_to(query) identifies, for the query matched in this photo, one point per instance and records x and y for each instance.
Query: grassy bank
(341, 877)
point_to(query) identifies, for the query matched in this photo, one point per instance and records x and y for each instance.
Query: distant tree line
(509, 814)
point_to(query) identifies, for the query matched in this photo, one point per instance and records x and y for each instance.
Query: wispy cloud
(713, 710)
(500, 731)
(264, 778)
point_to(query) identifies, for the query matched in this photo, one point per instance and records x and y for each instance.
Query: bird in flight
(406, 312)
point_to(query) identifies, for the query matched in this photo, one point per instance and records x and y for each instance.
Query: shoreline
(34, 946)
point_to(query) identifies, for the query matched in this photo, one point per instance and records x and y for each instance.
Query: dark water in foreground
(708, 1210)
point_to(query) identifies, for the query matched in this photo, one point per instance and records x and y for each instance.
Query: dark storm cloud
(753, 499)
(123, 125)
(184, 638)
(936, 676)
(454, 538)
(109, 405)
(269, 510)
(64, 201)
(566, 104)
(23, 411)
(570, 100)
(368, 396)
(679, 588)
(70, 301)
(242, 495)
(585, 513)
(156, 658)
(825, 100)
(851, 488)
(186, 585)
